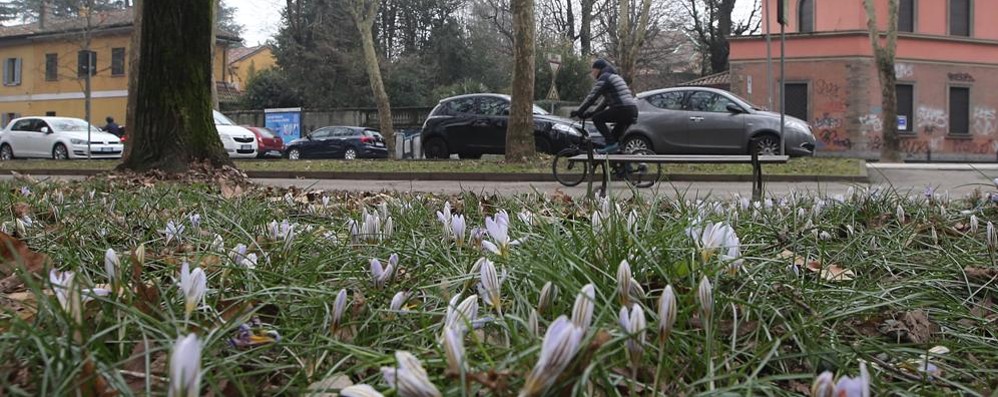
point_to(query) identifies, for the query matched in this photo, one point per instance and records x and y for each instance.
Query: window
(706, 101)
(796, 100)
(490, 106)
(50, 114)
(51, 67)
(805, 18)
(462, 105)
(83, 66)
(906, 104)
(959, 110)
(22, 125)
(322, 133)
(12, 71)
(959, 18)
(117, 61)
(906, 16)
(669, 100)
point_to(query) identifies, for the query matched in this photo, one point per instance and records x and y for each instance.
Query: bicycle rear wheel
(569, 173)
(642, 174)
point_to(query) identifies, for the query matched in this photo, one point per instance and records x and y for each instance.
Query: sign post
(554, 60)
(286, 122)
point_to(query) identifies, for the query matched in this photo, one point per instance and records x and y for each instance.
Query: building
(245, 62)
(947, 57)
(45, 65)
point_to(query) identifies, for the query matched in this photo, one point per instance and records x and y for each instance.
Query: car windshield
(745, 101)
(71, 125)
(220, 119)
(538, 110)
(265, 132)
(373, 133)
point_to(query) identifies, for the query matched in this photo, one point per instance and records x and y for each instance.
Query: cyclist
(618, 105)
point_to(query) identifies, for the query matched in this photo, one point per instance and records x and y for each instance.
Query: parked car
(475, 124)
(338, 143)
(239, 142)
(58, 138)
(700, 120)
(268, 143)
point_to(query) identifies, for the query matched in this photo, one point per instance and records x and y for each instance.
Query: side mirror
(735, 108)
(308, 136)
(45, 130)
(505, 112)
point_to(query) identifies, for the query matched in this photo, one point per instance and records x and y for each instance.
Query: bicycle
(636, 173)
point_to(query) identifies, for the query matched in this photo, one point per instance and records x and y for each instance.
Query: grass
(921, 280)
(801, 166)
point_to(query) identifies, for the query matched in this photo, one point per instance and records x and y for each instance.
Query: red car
(270, 145)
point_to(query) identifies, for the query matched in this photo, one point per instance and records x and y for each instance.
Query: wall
(402, 118)
(260, 61)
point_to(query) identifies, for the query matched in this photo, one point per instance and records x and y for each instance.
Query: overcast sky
(262, 18)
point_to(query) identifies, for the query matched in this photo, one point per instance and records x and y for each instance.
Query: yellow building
(245, 62)
(45, 64)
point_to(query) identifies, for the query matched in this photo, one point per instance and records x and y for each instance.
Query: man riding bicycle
(618, 105)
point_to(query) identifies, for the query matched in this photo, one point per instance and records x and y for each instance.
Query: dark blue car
(338, 143)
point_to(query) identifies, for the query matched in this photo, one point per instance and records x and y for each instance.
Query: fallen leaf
(920, 328)
(230, 191)
(980, 273)
(14, 254)
(831, 272)
(326, 387)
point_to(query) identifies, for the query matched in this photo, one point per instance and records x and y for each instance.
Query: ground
(903, 283)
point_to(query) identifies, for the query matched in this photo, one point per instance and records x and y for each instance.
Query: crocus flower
(67, 293)
(173, 231)
(381, 275)
(624, 282)
(824, 385)
(458, 229)
(532, 323)
(633, 323)
(185, 367)
(491, 285)
(249, 261)
(549, 293)
(325, 201)
(632, 221)
(498, 229)
(716, 237)
(195, 220)
(284, 231)
(454, 350)
(339, 307)
(477, 237)
(582, 311)
(445, 217)
(991, 236)
(111, 264)
(526, 217)
(460, 316)
(359, 391)
(250, 335)
(974, 224)
(705, 294)
(900, 213)
(409, 377)
(398, 300)
(596, 222)
(561, 343)
(217, 245)
(25, 191)
(193, 284)
(666, 313)
(846, 386)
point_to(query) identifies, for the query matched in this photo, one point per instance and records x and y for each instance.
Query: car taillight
(366, 139)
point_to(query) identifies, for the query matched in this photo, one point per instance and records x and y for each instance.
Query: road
(908, 180)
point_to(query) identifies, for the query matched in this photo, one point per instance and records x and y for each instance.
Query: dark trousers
(623, 116)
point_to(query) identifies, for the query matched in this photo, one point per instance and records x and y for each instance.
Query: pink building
(947, 71)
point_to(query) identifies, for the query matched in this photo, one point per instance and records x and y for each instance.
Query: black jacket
(612, 88)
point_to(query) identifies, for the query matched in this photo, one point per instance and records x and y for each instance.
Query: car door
(20, 135)
(458, 126)
(43, 142)
(491, 125)
(711, 127)
(663, 117)
(313, 147)
(336, 146)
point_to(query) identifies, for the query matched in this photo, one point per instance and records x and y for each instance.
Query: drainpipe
(43, 16)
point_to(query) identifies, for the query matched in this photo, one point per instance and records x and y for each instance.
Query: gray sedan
(700, 120)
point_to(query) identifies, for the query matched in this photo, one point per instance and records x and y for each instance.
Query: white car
(239, 142)
(57, 138)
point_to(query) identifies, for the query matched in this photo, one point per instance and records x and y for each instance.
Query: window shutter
(17, 72)
(6, 72)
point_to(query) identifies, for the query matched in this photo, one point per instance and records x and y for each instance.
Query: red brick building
(947, 70)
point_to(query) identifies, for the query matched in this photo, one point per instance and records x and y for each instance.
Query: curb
(478, 177)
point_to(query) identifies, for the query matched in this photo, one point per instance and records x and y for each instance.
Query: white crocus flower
(991, 236)
(491, 285)
(381, 274)
(409, 377)
(111, 265)
(716, 237)
(454, 350)
(217, 245)
(460, 316)
(582, 311)
(185, 367)
(705, 294)
(974, 224)
(195, 220)
(173, 231)
(458, 229)
(398, 300)
(561, 342)
(193, 285)
(498, 229)
(666, 313)
(339, 307)
(526, 217)
(359, 391)
(624, 282)
(549, 293)
(633, 323)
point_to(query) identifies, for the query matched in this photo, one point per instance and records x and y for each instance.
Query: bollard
(399, 143)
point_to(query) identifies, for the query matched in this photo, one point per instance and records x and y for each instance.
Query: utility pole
(784, 10)
(769, 57)
(89, 72)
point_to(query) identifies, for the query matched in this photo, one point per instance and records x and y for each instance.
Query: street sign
(554, 60)
(782, 12)
(902, 123)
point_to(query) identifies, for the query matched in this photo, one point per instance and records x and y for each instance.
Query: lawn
(766, 299)
(802, 166)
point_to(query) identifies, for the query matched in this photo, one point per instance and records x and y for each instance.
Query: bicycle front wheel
(569, 173)
(642, 174)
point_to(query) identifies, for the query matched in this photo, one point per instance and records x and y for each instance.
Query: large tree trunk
(133, 71)
(173, 122)
(883, 56)
(632, 39)
(520, 132)
(586, 29)
(364, 12)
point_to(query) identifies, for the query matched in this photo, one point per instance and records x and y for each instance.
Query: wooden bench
(755, 160)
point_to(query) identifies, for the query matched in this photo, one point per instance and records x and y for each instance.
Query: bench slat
(680, 159)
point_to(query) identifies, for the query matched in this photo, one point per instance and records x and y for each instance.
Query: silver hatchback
(700, 120)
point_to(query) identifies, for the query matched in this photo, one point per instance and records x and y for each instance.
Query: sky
(262, 18)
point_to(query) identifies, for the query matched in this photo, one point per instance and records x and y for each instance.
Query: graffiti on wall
(962, 77)
(908, 146)
(829, 133)
(870, 123)
(984, 120)
(931, 119)
(974, 146)
(827, 89)
(903, 71)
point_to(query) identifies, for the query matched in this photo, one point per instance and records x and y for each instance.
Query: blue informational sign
(284, 122)
(902, 123)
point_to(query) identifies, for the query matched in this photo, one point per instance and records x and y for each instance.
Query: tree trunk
(623, 34)
(883, 57)
(586, 27)
(214, 48)
(635, 40)
(520, 131)
(133, 72)
(173, 125)
(363, 14)
(570, 16)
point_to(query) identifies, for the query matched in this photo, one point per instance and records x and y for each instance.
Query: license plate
(379, 144)
(246, 147)
(105, 150)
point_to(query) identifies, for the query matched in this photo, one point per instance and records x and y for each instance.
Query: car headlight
(78, 141)
(567, 129)
(797, 125)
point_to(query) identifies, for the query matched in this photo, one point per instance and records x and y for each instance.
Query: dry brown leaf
(230, 191)
(980, 273)
(920, 329)
(15, 253)
(831, 272)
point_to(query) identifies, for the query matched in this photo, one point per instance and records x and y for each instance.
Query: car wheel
(542, 145)
(350, 154)
(436, 149)
(470, 156)
(766, 145)
(636, 143)
(59, 152)
(294, 154)
(6, 153)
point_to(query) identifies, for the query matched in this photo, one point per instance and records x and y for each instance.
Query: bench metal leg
(757, 188)
(606, 180)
